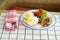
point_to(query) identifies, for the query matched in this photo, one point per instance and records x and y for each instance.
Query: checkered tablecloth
(23, 33)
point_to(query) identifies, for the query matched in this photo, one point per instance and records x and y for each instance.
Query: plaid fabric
(11, 19)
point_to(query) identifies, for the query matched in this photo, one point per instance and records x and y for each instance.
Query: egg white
(33, 22)
(28, 14)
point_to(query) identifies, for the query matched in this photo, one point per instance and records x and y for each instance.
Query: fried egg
(32, 21)
(28, 14)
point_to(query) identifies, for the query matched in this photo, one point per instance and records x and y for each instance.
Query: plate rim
(36, 28)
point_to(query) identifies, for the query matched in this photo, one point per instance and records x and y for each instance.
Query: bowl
(38, 26)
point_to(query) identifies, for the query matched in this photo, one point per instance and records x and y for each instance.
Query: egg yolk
(30, 20)
(27, 15)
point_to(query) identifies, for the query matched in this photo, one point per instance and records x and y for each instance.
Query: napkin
(11, 19)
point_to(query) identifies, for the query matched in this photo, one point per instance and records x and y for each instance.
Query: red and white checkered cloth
(11, 18)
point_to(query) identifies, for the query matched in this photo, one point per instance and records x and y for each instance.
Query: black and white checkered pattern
(23, 33)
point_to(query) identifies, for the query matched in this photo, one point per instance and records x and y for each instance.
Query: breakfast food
(45, 22)
(32, 20)
(37, 17)
(28, 14)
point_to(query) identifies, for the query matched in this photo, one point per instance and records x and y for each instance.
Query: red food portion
(20, 8)
(38, 13)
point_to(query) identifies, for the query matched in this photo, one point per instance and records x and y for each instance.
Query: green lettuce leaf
(44, 14)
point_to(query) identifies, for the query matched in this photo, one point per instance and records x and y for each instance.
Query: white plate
(38, 26)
